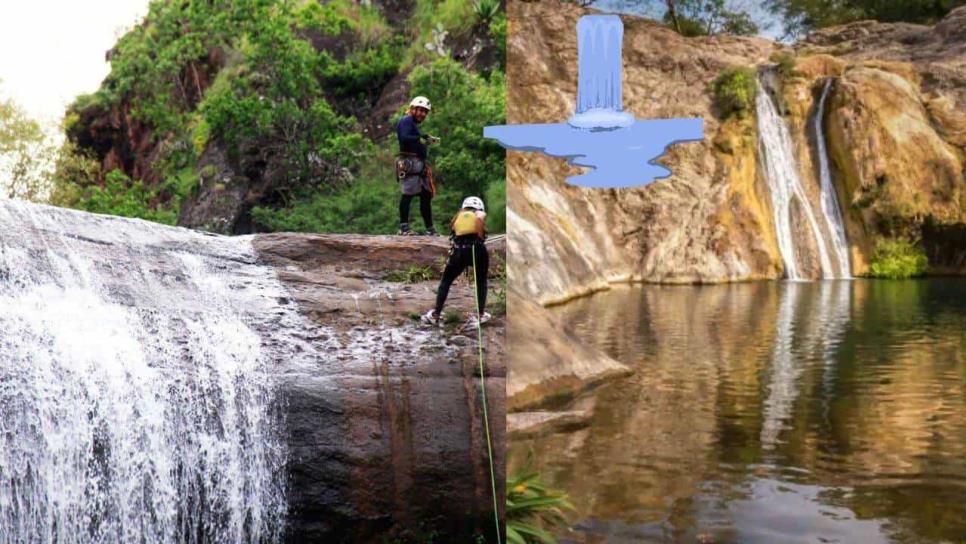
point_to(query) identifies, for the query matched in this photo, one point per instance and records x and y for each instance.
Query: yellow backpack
(465, 223)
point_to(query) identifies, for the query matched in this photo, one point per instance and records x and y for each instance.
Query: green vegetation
(121, 196)
(734, 91)
(708, 17)
(25, 154)
(897, 259)
(802, 16)
(413, 274)
(531, 507)
(285, 88)
(465, 163)
(786, 63)
(453, 317)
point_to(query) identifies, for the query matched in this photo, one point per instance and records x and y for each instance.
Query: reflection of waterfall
(830, 201)
(837, 306)
(781, 170)
(822, 327)
(135, 399)
(784, 370)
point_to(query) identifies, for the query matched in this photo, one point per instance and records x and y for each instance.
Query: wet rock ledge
(385, 427)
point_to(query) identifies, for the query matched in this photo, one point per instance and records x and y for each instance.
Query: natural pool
(769, 412)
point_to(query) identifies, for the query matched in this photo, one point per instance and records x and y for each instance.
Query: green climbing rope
(486, 417)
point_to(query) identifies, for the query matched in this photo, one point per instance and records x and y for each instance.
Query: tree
(708, 17)
(26, 154)
(672, 14)
(801, 16)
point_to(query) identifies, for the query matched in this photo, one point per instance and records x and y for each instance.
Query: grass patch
(897, 259)
(786, 63)
(413, 274)
(453, 317)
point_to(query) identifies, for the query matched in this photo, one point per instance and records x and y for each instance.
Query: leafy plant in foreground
(531, 505)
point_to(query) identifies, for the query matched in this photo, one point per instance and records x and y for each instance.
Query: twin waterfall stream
(788, 194)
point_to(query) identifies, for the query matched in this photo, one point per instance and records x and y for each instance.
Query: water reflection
(771, 412)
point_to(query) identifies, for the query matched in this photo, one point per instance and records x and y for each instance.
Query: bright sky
(53, 50)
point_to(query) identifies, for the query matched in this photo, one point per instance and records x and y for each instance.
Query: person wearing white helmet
(412, 170)
(468, 229)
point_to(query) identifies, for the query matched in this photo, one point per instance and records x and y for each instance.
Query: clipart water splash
(619, 150)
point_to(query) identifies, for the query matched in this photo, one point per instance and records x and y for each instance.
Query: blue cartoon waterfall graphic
(618, 149)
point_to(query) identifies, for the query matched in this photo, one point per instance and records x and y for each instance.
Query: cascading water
(136, 395)
(781, 171)
(829, 200)
(599, 79)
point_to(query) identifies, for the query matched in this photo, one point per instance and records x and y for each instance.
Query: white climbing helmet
(421, 102)
(473, 202)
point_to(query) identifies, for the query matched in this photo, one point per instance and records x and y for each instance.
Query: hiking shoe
(483, 319)
(404, 230)
(431, 231)
(430, 318)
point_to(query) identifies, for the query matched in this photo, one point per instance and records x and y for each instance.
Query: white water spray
(830, 201)
(781, 170)
(136, 399)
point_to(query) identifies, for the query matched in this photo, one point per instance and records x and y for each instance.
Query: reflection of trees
(857, 387)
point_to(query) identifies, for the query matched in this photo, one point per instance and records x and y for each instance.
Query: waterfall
(600, 73)
(136, 402)
(599, 41)
(781, 171)
(829, 200)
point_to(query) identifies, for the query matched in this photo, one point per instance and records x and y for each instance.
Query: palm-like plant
(531, 505)
(486, 10)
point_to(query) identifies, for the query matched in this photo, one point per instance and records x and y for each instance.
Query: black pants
(461, 258)
(425, 207)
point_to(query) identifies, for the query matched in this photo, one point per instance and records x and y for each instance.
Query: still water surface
(769, 413)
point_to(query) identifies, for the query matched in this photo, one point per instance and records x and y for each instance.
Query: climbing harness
(486, 417)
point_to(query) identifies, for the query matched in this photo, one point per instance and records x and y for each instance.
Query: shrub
(121, 196)
(530, 503)
(498, 33)
(786, 63)
(496, 206)
(486, 10)
(734, 91)
(897, 259)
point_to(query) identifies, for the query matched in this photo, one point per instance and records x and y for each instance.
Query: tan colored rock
(700, 225)
(900, 90)
(548, 363)
(895, 166)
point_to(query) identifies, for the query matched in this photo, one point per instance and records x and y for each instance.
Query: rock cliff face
(387, 437)
(894, 125)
